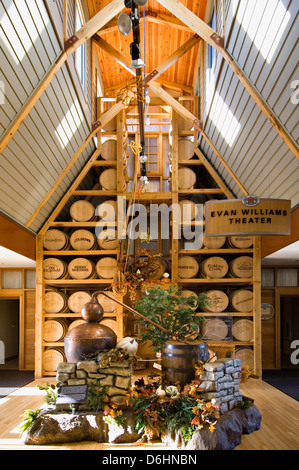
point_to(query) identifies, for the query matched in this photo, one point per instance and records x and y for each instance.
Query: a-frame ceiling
(251, 92)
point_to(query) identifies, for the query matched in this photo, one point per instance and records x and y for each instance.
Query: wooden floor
(279, 428)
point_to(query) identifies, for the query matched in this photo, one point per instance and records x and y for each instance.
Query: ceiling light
(124, 24)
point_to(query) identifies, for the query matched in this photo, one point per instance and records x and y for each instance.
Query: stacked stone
(116, 378)
(221, 380)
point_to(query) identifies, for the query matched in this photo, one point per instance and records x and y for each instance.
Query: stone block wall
(117, 377)
(221, 380)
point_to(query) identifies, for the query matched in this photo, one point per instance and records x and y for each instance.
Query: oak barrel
(153, 269)
(185, 149)
(108, 305)
(240, 241)
(76, 323)
(81, 268)
(107, 211)
(214, 267)
(186, 178)
(243, 329)
(241, 267)
(111, 125)
(214, 329)
(83, 240)
(111, 323)
(189, 293)
(107, 239)
(218, 301)
(108, 179)
(213, 242)
(241, 300)
(82, 211)
(77, 300)
(246, 355)
(54, 269)
(109, 149)
(55, 240)
(107, 267)
(55, 302)
(189, 210)
(52, 357)
(188, 267)
(178, 360)
(55, 330)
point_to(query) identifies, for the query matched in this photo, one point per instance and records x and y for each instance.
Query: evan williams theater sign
(251, 215)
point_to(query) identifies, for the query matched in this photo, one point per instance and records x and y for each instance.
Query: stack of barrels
(215, 267)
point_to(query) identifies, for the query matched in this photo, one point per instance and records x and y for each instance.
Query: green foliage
(29, 417)
(172, 311)
(51, 392)
(245, 404)
(97, 396)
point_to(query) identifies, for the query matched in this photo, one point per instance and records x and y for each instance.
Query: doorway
(289, 328)
(9, 334)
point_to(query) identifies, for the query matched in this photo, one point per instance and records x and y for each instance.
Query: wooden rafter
(173, 58)
(105, 118)
(197, 124)
(121, 59)
(211, 37)
(81, 36)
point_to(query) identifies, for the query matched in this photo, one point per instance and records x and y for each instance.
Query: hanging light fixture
(124, 24)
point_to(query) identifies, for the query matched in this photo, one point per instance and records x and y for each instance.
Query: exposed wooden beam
(211, 37)
(197, 124)
(173, 58)
(113, 53)
(106, 117)
(15, 238)
(85, 33)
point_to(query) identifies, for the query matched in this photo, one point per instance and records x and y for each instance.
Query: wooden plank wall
(258, 156)
(54, 129)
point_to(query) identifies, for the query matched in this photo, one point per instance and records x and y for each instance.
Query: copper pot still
(91, 336)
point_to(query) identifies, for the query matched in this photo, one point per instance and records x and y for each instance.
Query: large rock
(63, 428)
(228, 434)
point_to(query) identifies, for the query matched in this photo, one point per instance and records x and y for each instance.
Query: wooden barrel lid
(183, 124)
(214, 242)
(107, 267)
(77, 300)
(108, 179)
(81, 268)
(111, 125)
(55, 240)
(189, 210)
(52, 357)
(247, 357)
(55, 302)
(82, 240)
(214, 329)
(214, 267)
(110, 322)
(153, 269)
(108, 211)
(243, 330)
(54, 269)
(240, 241)
(189, 293)
(242, 300)
(186, 178)
(107, 239)
(188, 267)
(108, 305)
(82, 211)
(109, 149)
(185, 149)
(76, 323)
(241, 267)
(54, 330)
(218, 301)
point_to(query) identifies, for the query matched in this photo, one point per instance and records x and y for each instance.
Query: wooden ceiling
(164, 35)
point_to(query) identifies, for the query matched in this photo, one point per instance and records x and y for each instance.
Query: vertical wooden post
(257, 325)
(39, 308)
(175, 198)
